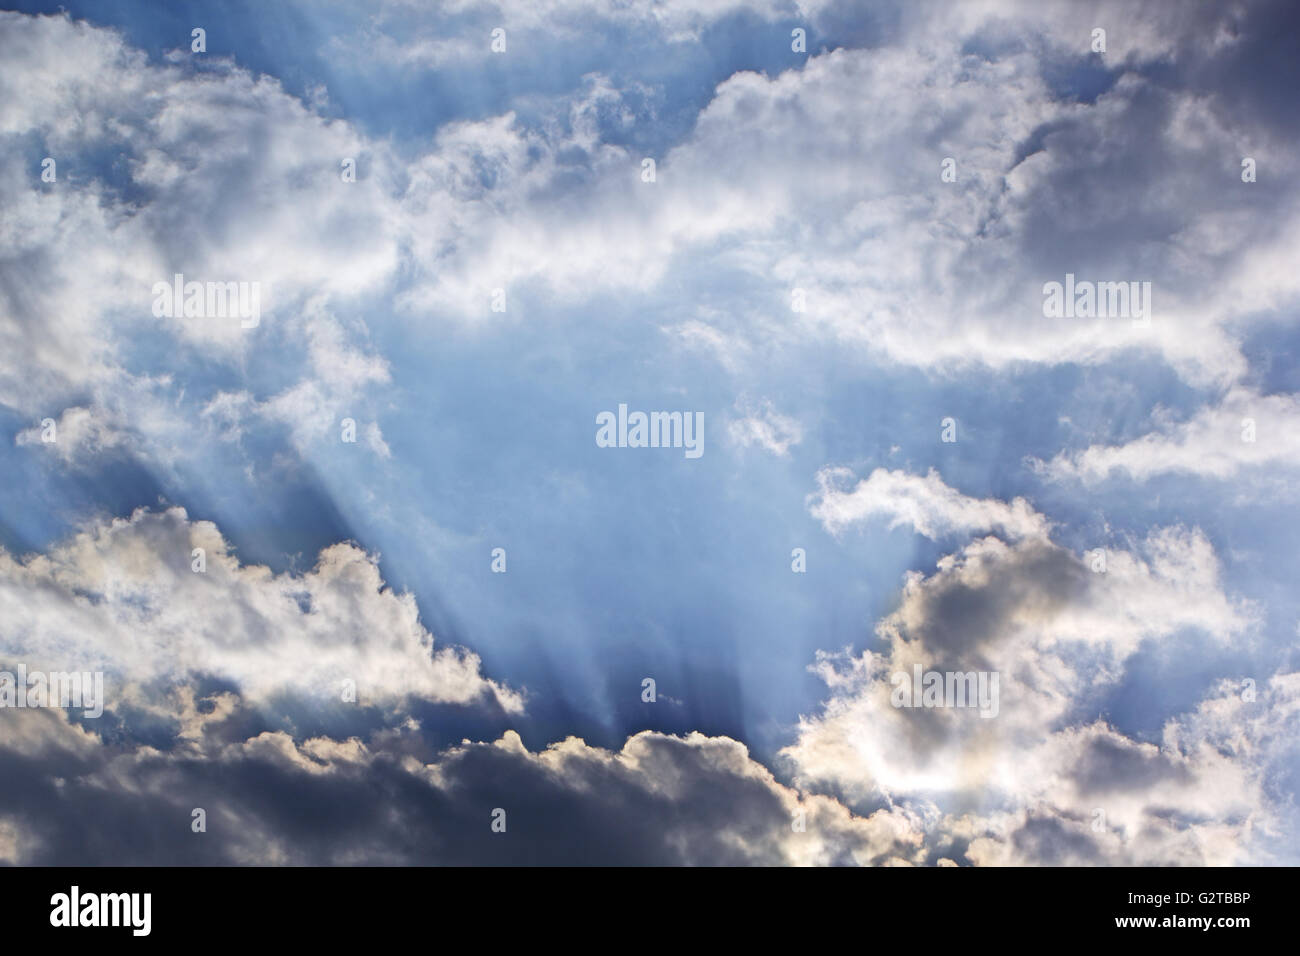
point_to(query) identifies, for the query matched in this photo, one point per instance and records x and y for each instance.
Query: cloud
(123, 597)
(1047, 184)
(78, 433)
(1201, 796)
(1116, 167)
(274, 799)
(375, 440)
(763, 426)
(918, 786)
(537, 198)
(223, 176)
(1021, 785)
(1243, 431)
(397, 34)
(927, 504)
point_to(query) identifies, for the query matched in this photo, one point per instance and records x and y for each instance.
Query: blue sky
(779, 175)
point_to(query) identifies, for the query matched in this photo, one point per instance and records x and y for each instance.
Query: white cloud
(1245, 430)
(737, 194)
(78, 433)
(499, 203)
(230, 179)
(375, 440)
(763, 426)
(123, 598)
(797, 179)
(1201, 796)
(1021, 786)
(927, 504)
(397, 34)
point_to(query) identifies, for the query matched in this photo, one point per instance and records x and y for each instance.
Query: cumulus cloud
(1020, 784)
(1200, 796)
(223, 177)
(783, 180)
(274, 799)
(505, 201)
(488, 207)
(125, 598)
(916, 786)
(1035, 197)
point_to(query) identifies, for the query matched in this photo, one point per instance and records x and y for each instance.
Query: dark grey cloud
(661, 800)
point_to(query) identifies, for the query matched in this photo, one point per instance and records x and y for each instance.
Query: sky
(363, 580)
